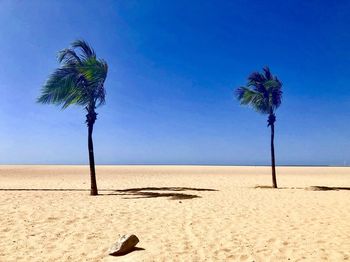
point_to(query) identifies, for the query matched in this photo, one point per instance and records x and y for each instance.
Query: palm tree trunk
(273, 164)
(93, 191)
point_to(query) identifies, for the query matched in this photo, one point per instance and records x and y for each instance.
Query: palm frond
(94, 73)
(252, 98)
(85, 48)
(255, 77)
(272, 84)
(79, 80)
(263, 92)
(267, 73)
(276, 98)
(60, 88)
(101, 75)
(68, 56)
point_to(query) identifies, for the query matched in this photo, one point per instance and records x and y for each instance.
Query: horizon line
(234, 165)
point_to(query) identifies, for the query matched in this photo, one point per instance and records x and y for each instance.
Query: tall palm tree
(79, 80)
(263, 93)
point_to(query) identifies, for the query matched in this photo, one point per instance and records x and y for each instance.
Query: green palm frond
(272, 84)
(68, 56)
(267, 73)
(58, 86)
(85, 48)
(263, 92)
(79, 80)
(252, 98)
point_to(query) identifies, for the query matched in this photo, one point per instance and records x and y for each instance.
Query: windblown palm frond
(68, 56)
(79, 80)
(263, 92)
(85, 48)
(267, 73)
(252, 98)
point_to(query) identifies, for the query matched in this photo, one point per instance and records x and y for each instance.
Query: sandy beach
(179, 213)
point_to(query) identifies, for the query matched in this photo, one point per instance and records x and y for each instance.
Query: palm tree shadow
(129, 193)
(310, 188)
(146, 192)
(271, 187)
(326, 188)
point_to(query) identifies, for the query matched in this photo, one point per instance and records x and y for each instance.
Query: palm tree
(79, 80)
(264, 94)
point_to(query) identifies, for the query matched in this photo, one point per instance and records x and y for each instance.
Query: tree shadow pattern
(310, 188)
(172, 193)
(146, 192)
(327, 188)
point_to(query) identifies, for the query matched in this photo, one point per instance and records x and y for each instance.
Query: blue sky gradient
(173, 66)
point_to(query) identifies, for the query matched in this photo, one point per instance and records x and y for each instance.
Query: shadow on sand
(326, 188)
(270, 187)
(130, 193)
(133, 250)
(310, 188)
(146, 192)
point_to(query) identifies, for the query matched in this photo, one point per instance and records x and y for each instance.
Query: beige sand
(235, 223)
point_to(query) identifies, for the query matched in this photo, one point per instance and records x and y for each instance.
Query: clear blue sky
(173, 66)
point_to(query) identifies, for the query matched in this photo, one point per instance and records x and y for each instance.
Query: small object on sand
(124, 245)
